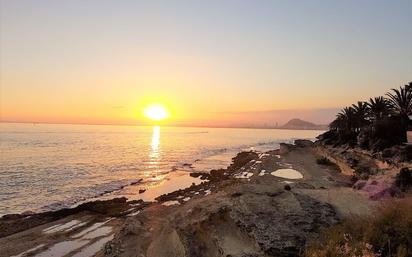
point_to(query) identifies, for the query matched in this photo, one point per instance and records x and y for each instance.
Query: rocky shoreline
(243, 210)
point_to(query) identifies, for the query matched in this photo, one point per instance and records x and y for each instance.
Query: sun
(156, 112)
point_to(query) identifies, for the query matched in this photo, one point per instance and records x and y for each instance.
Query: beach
(247, 209)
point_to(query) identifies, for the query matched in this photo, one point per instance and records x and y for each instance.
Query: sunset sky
(209, 62)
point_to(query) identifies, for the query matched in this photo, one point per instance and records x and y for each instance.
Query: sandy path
(329, 184)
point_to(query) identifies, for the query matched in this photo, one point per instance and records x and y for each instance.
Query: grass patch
(387, 233)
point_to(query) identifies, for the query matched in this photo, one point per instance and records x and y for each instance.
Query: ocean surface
(48, 167)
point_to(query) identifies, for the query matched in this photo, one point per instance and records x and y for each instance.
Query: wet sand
(240, 211)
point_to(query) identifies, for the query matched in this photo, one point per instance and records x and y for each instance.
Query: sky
(216, 62)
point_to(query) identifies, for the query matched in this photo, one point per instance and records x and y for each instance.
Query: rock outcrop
(244, 220)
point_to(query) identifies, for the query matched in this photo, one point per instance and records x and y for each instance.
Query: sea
(53, 166)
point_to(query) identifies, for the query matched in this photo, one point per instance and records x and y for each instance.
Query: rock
(241, 159)
(285, 148)
(213, 175)
(196, 174)
(136, 182)
(303, 143)
(140, 201)
(27, 213)
(259, 220)
(141, 191)
(287, 188)
(284, 233)
(217, 175)
(237, 194)
(359, 184)
(112, 207)
(13, 223)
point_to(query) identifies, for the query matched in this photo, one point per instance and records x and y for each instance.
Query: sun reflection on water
(154, 154)
(154, 157)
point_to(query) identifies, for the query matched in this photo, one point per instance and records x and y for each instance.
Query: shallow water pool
(287, 173)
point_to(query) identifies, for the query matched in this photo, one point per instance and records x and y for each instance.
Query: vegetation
(324, 161)
(388, 233)
(375, 125)
(404, 179)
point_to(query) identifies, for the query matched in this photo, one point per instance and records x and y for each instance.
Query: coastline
(65, 172)
(243, 205)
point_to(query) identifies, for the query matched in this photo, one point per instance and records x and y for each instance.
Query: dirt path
(329, 185)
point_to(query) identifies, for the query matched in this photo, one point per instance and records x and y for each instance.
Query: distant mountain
(301, 124)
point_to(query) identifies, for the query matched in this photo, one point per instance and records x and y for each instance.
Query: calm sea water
(45, 166)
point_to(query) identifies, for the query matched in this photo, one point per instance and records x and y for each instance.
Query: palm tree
(401, 102)
(338, 124)
(347, 116)
(360, 113)
(379, 107)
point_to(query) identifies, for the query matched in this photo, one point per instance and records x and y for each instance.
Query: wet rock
(241, 159)
(217, 175)
(13, 223)
(110, 207)
(213, 175)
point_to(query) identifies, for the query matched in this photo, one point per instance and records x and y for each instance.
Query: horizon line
(152, 125)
